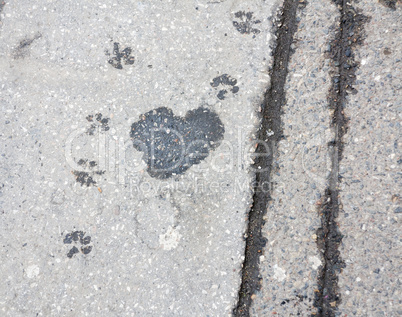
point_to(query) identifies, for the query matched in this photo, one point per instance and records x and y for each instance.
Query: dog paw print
(389, 3)
(227, 81)
(87, 178)
(98, 122)
(124, 55)
(78, 237)
(246, 23)
(87, 173)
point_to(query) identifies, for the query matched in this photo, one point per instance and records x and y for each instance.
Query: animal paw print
(87, 178)
(78, 237)
(226, 80)
(119, 56)
(101, 123)
(245, 26)
(86, 175)
(389, 3)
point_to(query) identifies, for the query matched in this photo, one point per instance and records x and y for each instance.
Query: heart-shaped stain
(172, 144)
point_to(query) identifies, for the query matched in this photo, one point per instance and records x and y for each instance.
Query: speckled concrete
(370, 283)
(85, 230)
(291, 259)
(74, 78)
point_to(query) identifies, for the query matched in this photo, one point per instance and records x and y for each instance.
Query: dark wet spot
(68, 239)
(225, 80)
(82, 162)
(91, 130)
(86, 240)
(387, 51)
(221, 94)
(73, 251)
(172, 144)
(124, 55)
(74, 236)
(22, 49)
(87, 177)
(245, 23)
(25, 43)
(84, 178)
(77, 237)
(101, 123)
(86, 249)
(302, 297)
(389, 3)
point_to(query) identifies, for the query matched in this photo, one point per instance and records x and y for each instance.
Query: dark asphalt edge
(2, 4)
(347, 37)
(274, 99)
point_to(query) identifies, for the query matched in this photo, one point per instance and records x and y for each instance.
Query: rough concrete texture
(88, 229)
(291, 259)
(85, 230)
(370, 284)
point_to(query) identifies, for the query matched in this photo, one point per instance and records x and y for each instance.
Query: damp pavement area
(200, 158)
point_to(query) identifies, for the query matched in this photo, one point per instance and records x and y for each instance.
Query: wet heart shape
(172, 144)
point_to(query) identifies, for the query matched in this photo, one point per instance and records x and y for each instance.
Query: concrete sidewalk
(128, 133)
(78, 80)
(368, 267)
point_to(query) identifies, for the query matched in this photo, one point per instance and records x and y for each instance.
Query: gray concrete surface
(159, 247)
(86, 229)
(371, 173)
(291, 259)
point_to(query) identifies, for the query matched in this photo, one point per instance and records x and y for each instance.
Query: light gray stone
(291, 259)
(371, 180)
(159, 247)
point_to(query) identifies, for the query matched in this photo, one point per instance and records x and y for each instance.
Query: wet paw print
(124, 55)
(87, 178)
(246, 23)
(86, 175)
(78, 237)
(97, 122)
(224, 80)
(389, 3)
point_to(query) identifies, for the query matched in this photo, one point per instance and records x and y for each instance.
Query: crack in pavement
(343, 76)
(2, 4)
(271, 131)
